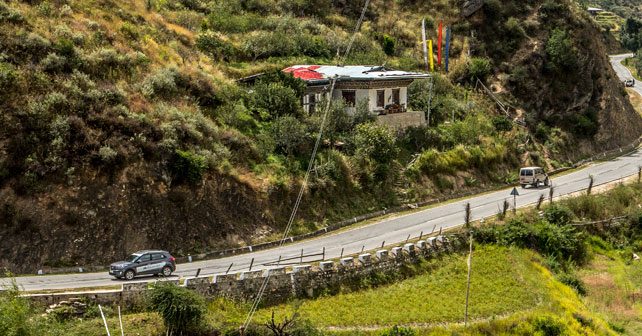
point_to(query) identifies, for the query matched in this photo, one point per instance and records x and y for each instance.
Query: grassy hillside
(122, 120)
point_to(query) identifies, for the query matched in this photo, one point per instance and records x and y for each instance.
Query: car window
(145, 257)
(527, 172)
(157, 256)
(132, 257)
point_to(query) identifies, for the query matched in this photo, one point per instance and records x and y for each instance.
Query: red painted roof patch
(305, 73)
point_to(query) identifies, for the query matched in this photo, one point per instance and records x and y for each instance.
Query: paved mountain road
(623, 72)
(391, 230)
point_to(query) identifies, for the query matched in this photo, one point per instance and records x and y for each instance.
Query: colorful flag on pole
(431, 56)
(423, 41)
(447, 46)
(439, 39)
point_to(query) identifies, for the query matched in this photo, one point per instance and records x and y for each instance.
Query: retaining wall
(302, 281)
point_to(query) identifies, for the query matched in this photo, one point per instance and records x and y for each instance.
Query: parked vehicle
(533, 176)
(629, 82)
(144, 263)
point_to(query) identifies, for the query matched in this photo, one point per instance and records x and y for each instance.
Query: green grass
(506, 275)
(613, 291)
(133, 324)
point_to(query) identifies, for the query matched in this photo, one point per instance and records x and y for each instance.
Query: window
(381, 98)
(157, 256)
(145, 257)
(350, 97)
(312, 101)
(527, 172)
(396, 96)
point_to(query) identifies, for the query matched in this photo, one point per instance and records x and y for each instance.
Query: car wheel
(129, 274)
(167, 271)
(523, 186)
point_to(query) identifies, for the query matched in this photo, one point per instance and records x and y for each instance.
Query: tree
(271, 100)
(181, 309)
(288, 134)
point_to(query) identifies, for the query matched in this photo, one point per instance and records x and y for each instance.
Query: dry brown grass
(636, 100)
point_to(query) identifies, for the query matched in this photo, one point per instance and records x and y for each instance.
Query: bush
(398, 331)
(288, 134)
(271, 100)
(560, 51)
(558, 214)
(573, 281)
(388, 45)
(215, 46)
(161, 84)
(479, 68)
(502, 124)
(561, 243)
(182, 309)
(15, 313)
(7, 77)
(375, 142)
(187, 167)
(10, 15)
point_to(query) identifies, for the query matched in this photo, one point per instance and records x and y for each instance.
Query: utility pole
(470, 259)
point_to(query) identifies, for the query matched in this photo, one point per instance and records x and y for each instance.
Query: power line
(257, 299)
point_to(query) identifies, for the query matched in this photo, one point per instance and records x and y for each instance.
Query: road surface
(391, 230)
(623, 72)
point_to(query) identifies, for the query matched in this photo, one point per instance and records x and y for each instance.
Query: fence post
(341, 256)
(251, 263)
(229, 268)
(323, 257)
(301, 260)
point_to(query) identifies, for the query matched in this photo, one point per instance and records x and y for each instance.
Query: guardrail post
(341, 256)
(323, 257)
(301, 260)
(229, 268)
(198, 271)
(251, 263)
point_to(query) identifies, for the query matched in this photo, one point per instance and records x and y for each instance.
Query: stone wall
(284, 284)
(402, 120)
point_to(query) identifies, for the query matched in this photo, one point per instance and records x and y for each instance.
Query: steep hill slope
(122, 127)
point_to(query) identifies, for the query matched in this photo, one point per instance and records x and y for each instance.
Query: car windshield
(132, 257)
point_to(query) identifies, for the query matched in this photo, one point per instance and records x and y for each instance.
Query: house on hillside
(385, 90)
(594, 10)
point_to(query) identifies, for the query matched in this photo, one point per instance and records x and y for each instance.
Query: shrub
(560, 51)
(288, 134)
(479, 68)
(270, 100)
(10, 15)
(15, 313)
(558, 214)
(187, 166)
(573, 281)
(181, 309)
(398, 331)
(107, 155)
(502, 124)
(376, 142)
(215, 46)
(7, 77)
(388, 45)
(161, 84)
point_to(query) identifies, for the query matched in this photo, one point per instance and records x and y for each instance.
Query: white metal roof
(350, 72)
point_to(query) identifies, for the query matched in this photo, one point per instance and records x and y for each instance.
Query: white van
(533, 176)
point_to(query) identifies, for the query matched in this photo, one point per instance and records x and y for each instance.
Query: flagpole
(423, 41)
